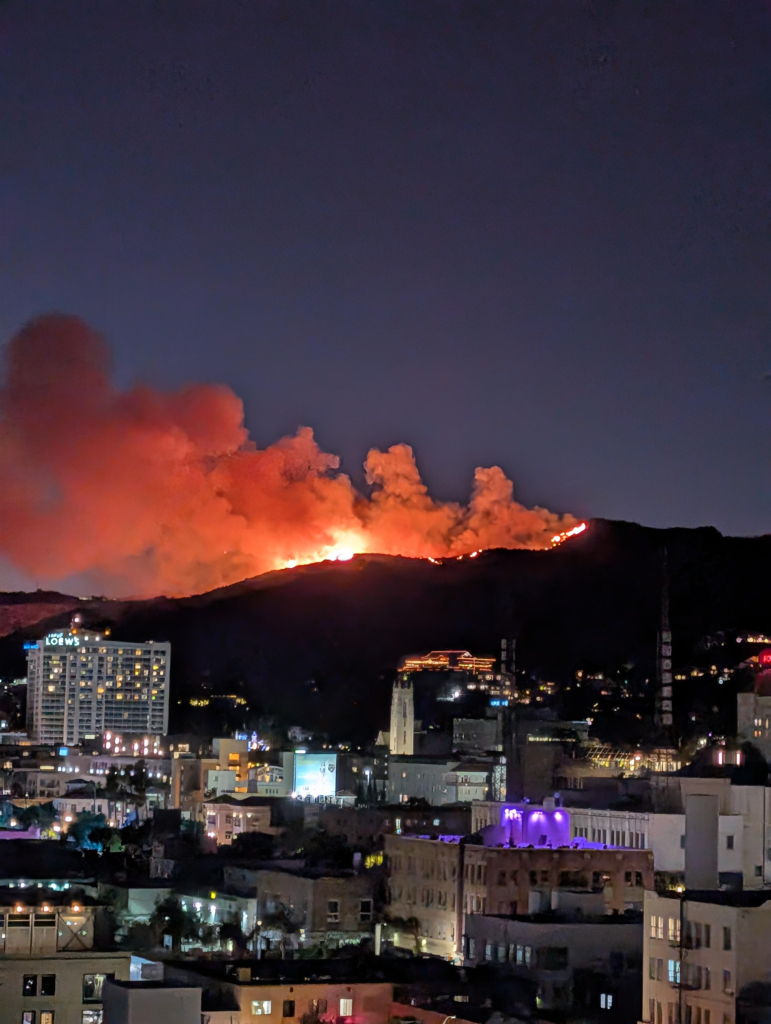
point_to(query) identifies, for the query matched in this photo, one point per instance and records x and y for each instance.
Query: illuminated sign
(61, 640)
(315, 775)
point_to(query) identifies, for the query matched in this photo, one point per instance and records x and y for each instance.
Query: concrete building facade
(442, 882)
(82, 686)
(701, 949)
(64, 988)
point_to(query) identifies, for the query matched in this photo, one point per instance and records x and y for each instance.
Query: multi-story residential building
(41, 922)
(60, 988)
(437, 780)
(744, 827)
(368, 824)
(226, 817)
(337, 908)
(578, 955)
(83, 685)
(701, 949)
(250, 990)
(441, 882)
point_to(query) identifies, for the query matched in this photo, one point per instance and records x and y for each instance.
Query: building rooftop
(724, 897)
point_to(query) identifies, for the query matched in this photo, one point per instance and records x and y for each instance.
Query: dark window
(554, 958)
(29, 985)
(533, 878)
(729, 842)
(287, 1010)
(48, 985)
(682, 842)
(726, 938)
(501, 878)
(638, 879)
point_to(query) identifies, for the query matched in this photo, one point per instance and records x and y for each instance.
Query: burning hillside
(163, 492)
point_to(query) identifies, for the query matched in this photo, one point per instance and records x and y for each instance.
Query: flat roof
(722, 897)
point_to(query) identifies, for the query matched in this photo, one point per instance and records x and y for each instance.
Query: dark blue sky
(528, 233)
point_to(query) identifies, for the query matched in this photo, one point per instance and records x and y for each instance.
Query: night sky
(533, 234)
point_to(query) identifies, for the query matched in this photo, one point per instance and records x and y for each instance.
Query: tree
(231, 931)
(410, 925)
(86, 830)
(281, 920)
(322, 849)
(254, 845)
(171, 918)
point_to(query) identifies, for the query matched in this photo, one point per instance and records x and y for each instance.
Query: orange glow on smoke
(143, 492)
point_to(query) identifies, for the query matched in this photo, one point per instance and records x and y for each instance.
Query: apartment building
(83, 685)
(437, 780)
(63, 988)
(247, 990)
(226, 817)
(43, 922)
(337, 908)
(578, 955)
(700, 950)
(744, 826)
(441, 882)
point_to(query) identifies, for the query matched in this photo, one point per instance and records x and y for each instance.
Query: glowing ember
(558, 538)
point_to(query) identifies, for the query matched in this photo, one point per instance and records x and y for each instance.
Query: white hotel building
(81, 685)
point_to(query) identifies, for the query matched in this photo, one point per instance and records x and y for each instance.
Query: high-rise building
(402, 735)
(81, 685)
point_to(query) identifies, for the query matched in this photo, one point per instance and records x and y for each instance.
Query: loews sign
(62, 640)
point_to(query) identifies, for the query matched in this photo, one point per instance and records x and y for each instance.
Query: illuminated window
(261, 1007)
(346, 1007)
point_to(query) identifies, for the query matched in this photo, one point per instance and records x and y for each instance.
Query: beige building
(65, 988)
(250, 996)
(335, 908)
(36, 922)
(440, 882)
(226, 817)
(700, 950)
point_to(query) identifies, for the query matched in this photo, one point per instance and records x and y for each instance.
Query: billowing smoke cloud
(165, 493)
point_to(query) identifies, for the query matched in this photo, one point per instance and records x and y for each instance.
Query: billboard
(315, 775)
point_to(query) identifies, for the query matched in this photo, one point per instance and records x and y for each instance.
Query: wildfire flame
(141, 492)
(559, 538)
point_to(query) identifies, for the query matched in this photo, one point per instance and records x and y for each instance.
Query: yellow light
(76, 908)
(213, 895)
(46, 909)
(19, 908)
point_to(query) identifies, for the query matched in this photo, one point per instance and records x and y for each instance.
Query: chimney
(701, 841)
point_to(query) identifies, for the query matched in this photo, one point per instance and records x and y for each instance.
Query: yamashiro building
(81, 685)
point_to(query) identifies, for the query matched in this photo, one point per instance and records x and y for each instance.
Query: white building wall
(661, 833)
(714, 969)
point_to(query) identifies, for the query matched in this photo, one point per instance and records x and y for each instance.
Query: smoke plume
(165, 493)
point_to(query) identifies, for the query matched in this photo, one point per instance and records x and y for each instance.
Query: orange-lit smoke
(152, 492)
